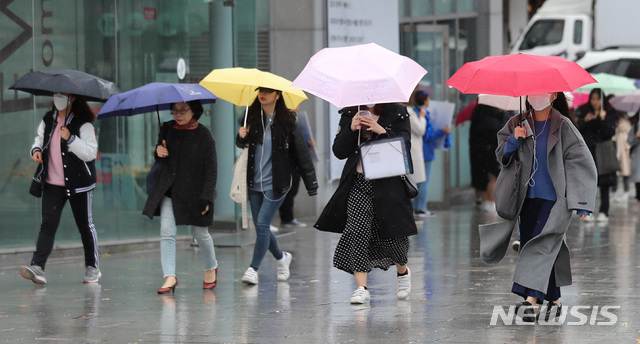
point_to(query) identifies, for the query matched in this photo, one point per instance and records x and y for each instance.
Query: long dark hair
(284, 121)
(80, 109)
(603, 98)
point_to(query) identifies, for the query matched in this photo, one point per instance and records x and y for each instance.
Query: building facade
(133, 43)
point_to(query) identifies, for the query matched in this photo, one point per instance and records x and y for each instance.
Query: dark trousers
(604, 199)
(533, 217)
(53, 201)
(286, 209)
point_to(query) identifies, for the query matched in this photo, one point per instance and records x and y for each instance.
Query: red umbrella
(519, 75)
(466, 112)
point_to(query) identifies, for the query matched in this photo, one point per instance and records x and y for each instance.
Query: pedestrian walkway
(453, 296)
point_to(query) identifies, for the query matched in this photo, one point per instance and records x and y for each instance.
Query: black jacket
(190, 173)
(286, 157)
(597, 131)
(78, 154)
(393, 209)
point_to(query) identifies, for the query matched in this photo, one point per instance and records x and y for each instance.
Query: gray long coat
(574, 176)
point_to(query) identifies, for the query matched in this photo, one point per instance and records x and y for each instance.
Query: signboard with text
(353, 22)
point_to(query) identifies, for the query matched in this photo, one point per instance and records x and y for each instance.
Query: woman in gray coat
(183, 192)
(559, 177)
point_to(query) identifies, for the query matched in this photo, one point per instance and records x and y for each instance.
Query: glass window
(604, 67)
(404, 8)
(131, 43)
(577, 32)
(633, 68)
(421, 8)
(445, 6)
(543, 32)
(466, 6)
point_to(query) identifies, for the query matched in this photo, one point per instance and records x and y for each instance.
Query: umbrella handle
(158, 114)
(246, 112)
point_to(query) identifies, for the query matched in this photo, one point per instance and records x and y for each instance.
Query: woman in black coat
(183, 192)
(375, 217)
(276, 148)
(597, 121)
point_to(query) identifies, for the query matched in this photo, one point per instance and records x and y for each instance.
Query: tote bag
(606, 159)
(507, 190)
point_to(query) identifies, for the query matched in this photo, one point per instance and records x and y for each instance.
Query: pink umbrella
(360, 74)
(579, 98)
(628, 102)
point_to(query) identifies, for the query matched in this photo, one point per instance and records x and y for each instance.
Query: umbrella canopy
(502, 102)
(627, 102)
(466, 113)
(153, 97)
(48, 82)
(519, 75)
(360, 74)
(609, 83)
(579, 98)
(238, 86)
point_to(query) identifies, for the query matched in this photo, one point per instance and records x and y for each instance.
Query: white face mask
(539, 102)
(60, 101)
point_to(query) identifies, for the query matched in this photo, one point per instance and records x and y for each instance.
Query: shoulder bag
(605, 157)
(507, 190)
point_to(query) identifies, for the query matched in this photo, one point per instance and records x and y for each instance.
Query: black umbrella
(46, 83)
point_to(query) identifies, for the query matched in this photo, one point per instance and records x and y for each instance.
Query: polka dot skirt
(360, 248)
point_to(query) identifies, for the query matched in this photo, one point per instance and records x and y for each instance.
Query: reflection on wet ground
(453, 298)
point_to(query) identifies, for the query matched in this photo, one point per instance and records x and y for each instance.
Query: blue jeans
(420, 202)
(168, 230)
(263, 209)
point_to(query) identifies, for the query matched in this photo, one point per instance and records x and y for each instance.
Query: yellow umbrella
(238, 86)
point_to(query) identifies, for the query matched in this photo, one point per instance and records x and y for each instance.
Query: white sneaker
(250, 277)
(360, 296)
(91, 275)
(33, 273)
(489, 207)
(273, 228)
(515, 245)
(283, 266)
(404, 285)
(602, 218)
(590, 218)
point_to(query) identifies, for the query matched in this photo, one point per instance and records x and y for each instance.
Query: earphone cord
(531, 182)
(264, 137)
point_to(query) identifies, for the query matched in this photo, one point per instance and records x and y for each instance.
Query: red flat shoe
(168, 290)
(211, 285)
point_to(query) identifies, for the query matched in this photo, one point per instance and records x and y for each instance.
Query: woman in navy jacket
(65, 149)
(276, 147)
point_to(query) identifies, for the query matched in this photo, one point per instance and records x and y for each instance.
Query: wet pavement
(453, 298)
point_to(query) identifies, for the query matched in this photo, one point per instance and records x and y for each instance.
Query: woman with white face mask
(65, 150)
(557, 178)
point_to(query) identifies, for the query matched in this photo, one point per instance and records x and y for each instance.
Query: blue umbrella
(155, 96)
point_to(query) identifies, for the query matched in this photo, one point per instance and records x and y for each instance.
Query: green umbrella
(609, 83)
